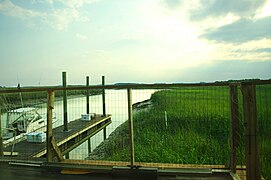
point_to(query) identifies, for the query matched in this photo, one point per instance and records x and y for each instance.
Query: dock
(79, 131)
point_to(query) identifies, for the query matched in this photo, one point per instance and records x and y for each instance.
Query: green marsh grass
(198, 129)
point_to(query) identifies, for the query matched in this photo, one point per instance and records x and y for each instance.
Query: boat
(23, 121)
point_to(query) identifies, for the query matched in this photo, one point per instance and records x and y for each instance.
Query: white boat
(22, 121)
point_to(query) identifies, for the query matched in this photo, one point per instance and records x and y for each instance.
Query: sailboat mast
(19, 87)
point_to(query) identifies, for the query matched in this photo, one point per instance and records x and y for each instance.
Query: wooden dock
(79, 131)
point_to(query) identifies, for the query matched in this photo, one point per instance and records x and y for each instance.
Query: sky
(143, 41)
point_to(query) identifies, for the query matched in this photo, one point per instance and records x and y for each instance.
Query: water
(116, 105)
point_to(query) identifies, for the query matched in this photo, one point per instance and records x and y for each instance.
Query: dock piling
(65, 108)
(88, 108)
(104, 109)
(87, 95)
(103, 83)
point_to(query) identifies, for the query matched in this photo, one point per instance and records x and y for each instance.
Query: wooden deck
(79, 132)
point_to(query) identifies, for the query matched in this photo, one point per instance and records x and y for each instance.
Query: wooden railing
(249, 113)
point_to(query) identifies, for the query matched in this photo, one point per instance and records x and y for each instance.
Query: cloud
(76, 3)
(225, 70)
(243, 8)
(172, 3)
(68, 3)
(59, 17)
(241, 31)
(9, 9)
(266, 50)
(81, 36)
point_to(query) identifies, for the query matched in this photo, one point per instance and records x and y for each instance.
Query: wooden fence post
(104, 108)
(88, 110)
(1, 139)
(131, 126)
(49, 133)
(251, 131)
(235, 125)
(65, 108)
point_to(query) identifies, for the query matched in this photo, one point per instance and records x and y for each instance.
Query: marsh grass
(197, 130)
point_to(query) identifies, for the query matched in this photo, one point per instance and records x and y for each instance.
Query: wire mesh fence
(172, 124)
(184, 126)
(264, 124)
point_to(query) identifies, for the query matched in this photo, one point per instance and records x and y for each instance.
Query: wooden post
(104, 110)
(88, 109)
(49, 132)
(103, 83)
(235, 125)
(251, 131)
(1, 139)
(65, 108)
(131, 127)
(89, 145)
(87, 94)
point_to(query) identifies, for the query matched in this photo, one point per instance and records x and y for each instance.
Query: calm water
(116, 105)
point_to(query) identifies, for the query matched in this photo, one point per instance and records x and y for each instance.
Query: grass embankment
(197, 130)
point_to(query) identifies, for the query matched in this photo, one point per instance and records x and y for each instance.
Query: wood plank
(143, 164)
(235, 126)
(57, 151)
(251, 131)
(75, 171)
(134, 86)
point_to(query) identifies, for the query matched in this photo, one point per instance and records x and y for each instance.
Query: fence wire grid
(189, 126)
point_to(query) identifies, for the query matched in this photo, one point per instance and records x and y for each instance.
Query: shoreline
(120, 134)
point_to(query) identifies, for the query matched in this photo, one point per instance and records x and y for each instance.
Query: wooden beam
(235, 126)
(49, 133)
(130, 118)
(251, 131)
(134, 86)
(56, 149)
(234, 176)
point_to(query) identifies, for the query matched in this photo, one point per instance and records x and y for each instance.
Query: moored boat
(21, 122)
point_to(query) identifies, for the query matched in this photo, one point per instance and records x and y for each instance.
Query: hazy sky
(134, 40)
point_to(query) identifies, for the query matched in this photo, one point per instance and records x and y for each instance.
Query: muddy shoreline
(119, 136)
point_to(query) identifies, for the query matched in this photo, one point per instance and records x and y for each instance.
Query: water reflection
(116, 105)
